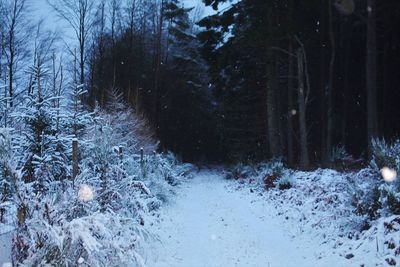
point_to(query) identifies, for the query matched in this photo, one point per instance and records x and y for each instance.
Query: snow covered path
(211, 224)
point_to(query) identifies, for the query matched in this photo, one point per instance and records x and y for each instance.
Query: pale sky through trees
(42, 10)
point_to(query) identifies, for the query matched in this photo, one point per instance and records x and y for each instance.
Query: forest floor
(211, 222)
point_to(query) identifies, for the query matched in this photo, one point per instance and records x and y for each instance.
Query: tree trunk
(347, 47)
(273, 123)
(329, 126)
(322, 75)
(304, 158)
(158, 64)
(371, 75)
(11, 73)
(272, 82)
(290, 114)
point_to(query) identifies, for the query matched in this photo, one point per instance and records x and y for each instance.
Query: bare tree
(99, 50)
(57, 83)
(132, 10)
(115, 24)
(158, 56)
(371, 74)
(115, 15)
(43, 50)
(16, 28)
(79, 15)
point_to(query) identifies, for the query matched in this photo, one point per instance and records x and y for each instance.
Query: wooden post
(141, 156)
(21, 214)
(121, 152)
(74, 158)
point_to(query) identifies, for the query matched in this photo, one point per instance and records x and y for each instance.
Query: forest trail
(211, 224)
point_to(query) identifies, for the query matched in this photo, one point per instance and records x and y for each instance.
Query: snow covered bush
(99, 218)
(374, 195)
(66, 227)
(285, 180)
(386, 154)
(240, 171)
(386, 159)
(161, 172)
(6, 168)
(366, 198)
(339, 153)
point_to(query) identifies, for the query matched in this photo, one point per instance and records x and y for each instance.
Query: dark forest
(258, 80)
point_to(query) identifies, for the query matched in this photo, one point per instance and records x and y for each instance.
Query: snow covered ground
(5, 248)
(213, 223)
(6, 232)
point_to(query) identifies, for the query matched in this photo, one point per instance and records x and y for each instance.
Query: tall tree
(371, 74)
(114, 7)
(302, 101)
(79, 15)
(16, 33)
(98, 90)
(157, 59)
(330, 84)
(272, 19)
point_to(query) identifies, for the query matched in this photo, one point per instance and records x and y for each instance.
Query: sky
(42, 10)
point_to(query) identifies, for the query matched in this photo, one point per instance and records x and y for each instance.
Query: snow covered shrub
(98, 220)
(386, 159)
(44, 145)
(373, 197)
(241, 171)
(285, 181)
(64, 230)
(339, 153)
(78, 118)
(161, 173)
(386, 154)
(6, 182)
(131, 130)
(271, 172)
(100, 217)
(391, 200)
(367, 203)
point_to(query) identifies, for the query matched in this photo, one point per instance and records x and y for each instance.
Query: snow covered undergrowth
(326, 206)
(214, 221)
(102, 216)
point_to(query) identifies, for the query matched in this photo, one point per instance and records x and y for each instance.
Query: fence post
(74, 158)
(121, 152)
(141, 156)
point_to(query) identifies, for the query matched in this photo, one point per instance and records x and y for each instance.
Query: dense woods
(260, 79)
(313, 68)
(255, 80)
